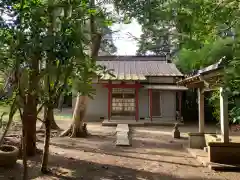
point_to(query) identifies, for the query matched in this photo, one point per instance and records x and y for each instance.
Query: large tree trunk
(78, 127)
(48, 122)
(29, 124)
(54, 125)
(29, 117)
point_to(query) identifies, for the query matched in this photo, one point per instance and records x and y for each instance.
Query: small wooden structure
(143, 91)
(207, 79)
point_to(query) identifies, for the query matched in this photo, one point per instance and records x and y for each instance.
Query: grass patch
(5, 108)
(64, 115)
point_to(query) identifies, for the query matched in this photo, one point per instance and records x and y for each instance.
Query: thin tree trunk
(60, 102)
(47, 121)
(11, 114)
(78, 127)
(54, 125)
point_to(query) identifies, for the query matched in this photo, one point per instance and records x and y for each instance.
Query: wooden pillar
(201, 110)
(136, 105)
(224, 116)
(109, 102)
(150, 103)
(180, 103)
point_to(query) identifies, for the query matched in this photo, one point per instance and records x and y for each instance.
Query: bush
(214, 100)
(235, 115)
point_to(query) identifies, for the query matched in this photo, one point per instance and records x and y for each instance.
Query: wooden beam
(224, 116)
(180, 103)
(150, 103)
(109, 102)
(195, 85)
(201, 110)
(134, 86)
(136, 105)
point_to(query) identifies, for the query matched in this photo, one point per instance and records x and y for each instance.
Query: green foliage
(214, 102)
(188, 60)
(235, 115)
(189, 23)
(232, 76)
(55, 35)
(198, 30)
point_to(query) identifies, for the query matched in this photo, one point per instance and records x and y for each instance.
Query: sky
(125, 40)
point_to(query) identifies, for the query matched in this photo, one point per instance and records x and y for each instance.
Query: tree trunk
(60, 102)
(29, 124)
(11, 114)
(78, 127)
(54, 125)
(24, 155)
(48, 122)
(29, 116)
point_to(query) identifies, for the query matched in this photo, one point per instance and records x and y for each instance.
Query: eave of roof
(138, 69)
(197, 75)
(166, 87)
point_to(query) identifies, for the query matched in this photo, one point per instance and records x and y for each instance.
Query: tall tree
(192, 23)
(22, 38)
(83, 83)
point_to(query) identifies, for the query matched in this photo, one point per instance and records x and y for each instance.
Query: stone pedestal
(205, 149)
(197, 140)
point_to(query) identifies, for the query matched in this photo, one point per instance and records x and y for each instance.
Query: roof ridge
(132, 58)
(162, 62)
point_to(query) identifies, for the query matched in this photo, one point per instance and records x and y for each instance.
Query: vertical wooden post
(224, 116)
(201, 110)
(109, 102)
(150, 103)
(136, 104)
(180, 103)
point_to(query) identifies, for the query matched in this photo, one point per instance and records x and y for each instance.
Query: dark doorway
(156, 104)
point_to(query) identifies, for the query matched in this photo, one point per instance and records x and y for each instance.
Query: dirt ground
(154, 155)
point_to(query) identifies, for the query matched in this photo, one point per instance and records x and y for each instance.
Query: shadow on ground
(126, 155)
(72, 169)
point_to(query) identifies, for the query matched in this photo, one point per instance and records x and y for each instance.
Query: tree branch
(95, 37)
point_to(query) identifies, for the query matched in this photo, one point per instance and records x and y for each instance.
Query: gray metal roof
(138, 68)
(218, 65)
